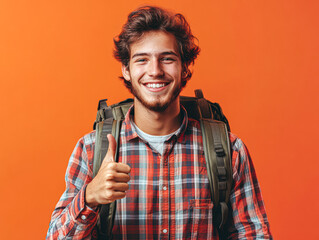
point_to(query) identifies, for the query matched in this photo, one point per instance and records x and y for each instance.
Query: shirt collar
(130, 132)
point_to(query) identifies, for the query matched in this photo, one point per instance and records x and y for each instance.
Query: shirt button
(164, 188)
(165, 231)
(83, 217)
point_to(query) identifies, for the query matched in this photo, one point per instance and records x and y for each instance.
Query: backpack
(214, 126)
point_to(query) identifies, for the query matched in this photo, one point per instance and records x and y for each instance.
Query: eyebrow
(161, 54)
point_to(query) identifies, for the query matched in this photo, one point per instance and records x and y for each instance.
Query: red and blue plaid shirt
(168, 196)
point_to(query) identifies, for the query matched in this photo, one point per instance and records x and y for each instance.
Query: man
(160, 180)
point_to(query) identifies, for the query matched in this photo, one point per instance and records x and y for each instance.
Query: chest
(168, 194)
(178, 176)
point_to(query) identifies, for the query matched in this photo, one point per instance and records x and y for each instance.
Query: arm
(72, 218)
(249, 219)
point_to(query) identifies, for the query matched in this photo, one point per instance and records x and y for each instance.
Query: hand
(111, 181)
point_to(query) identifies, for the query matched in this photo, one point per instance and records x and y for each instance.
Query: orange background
(259, 60)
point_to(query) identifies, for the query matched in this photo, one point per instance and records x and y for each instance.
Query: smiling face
(155, 71)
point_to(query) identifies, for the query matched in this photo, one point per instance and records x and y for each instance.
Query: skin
(111, 182)
(154, 59)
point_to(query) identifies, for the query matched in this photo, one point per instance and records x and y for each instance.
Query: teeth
(155, 85)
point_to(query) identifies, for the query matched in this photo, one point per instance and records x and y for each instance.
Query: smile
(155, 85)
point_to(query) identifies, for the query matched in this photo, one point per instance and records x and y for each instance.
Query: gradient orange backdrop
(259, 60)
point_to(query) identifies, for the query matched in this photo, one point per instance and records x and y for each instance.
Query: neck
(157, 123)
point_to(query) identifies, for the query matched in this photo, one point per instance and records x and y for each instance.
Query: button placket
(165, 194)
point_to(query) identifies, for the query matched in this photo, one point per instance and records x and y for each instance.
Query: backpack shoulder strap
(218, 158)
(108, 121)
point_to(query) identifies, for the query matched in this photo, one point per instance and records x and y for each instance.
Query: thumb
(110, 155)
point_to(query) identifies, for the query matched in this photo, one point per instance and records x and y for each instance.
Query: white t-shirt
(156, 142)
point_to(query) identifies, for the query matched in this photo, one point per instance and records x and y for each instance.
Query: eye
(167, 59)
(140, 60)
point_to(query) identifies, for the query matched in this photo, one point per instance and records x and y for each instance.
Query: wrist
(89, 198)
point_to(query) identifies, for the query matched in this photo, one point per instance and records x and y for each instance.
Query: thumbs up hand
(111, 182)
(110, 155)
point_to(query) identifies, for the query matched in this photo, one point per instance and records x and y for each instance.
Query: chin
(158, 107)
(160, 103)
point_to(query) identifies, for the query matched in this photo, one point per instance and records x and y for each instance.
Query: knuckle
(109, 185)
(109, 176)
(111, 165)
(109, 195)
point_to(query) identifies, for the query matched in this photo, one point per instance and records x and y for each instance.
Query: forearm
(73, 220)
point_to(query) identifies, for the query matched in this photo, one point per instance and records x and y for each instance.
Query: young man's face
(155, 70)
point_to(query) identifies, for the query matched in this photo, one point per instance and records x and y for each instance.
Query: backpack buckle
(219, 150)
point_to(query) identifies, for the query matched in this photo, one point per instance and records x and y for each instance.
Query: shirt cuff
(81, 212)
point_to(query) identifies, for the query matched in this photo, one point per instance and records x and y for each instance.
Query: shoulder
(89, 138)
(83, 153)
(85, 144)
(242, 164)
(236, 143)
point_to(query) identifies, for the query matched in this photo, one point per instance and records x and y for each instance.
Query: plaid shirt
(169, 195)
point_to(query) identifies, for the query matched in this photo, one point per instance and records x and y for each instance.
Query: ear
(126, 73)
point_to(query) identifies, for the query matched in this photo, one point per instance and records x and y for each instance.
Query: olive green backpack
(217, 151)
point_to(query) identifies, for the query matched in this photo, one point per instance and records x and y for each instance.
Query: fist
(111, 182)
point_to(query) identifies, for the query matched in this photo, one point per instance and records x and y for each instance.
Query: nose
(155, 69)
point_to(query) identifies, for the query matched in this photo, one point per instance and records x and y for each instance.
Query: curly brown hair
(150, 18)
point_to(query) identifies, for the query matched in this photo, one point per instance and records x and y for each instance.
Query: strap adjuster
(219, 150)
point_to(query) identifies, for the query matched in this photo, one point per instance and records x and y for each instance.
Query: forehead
(154, 42)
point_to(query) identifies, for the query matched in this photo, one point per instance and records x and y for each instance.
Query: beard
(158, 105)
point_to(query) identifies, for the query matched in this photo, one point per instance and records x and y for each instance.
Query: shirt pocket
(201, 213)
